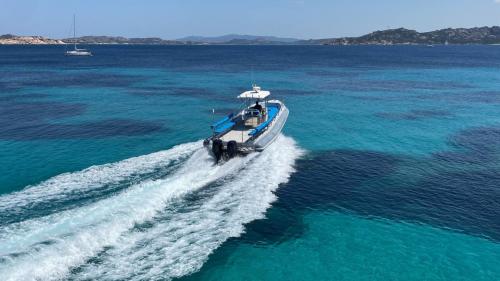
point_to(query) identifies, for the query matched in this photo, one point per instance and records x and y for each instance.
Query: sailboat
(76, 51)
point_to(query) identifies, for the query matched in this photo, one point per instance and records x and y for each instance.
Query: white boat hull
(78, 53)
(274, 130)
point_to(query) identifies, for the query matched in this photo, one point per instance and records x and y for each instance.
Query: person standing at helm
(261, 111)
(258, 106)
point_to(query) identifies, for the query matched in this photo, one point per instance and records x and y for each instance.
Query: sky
(304, 19)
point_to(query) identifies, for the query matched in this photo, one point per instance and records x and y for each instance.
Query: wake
(164, 227)
(70, 188)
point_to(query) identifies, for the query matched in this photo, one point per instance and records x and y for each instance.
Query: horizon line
(243, 34)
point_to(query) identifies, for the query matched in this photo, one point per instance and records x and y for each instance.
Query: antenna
(251, 73)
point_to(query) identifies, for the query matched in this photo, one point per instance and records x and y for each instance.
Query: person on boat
(258, 106)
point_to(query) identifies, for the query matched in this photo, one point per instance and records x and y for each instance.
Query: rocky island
(9, 39)
(399, 36)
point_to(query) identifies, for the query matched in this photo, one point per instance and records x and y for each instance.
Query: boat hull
(268, 137)
(78, 53)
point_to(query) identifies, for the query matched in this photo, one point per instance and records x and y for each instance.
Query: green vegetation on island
(477, 35)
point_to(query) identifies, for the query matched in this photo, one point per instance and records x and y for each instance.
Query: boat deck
(239, 133)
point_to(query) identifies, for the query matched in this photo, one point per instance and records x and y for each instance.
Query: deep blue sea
(388, 167)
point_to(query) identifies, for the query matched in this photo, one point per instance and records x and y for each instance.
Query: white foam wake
(72, 184)
(48, 248)
(180, 245)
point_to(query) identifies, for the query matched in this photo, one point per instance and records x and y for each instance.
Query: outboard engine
(206, 142)
(217, 149)
(232, 149)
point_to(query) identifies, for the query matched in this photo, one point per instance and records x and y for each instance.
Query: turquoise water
(362, 249)
(387, 170)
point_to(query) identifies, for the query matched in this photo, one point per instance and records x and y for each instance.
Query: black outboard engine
(217, 149)
(232, 149)
(206, 142)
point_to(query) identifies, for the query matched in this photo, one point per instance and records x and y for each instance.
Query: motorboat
(251, 129)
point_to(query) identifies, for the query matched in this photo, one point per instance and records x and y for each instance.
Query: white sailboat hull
(78, 53)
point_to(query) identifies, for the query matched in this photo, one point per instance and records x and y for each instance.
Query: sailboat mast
(74, 30)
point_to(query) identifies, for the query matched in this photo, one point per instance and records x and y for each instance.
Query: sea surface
(388, 167)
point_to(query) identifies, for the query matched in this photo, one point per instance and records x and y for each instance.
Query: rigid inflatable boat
(253, 128)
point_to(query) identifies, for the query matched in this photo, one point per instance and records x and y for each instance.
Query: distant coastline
(399, 36)
(9, 39)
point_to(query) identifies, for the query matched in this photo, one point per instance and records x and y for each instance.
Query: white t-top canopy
(256, 93)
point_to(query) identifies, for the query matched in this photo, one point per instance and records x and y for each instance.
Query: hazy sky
(172, 19)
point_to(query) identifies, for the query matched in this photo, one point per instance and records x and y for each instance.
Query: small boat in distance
(76, 51)
(253, 128)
